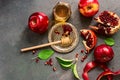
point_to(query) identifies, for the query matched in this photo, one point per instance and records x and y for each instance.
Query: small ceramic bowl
(57, 32)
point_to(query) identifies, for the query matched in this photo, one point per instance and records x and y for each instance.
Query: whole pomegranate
(38, 22)
(103, 53)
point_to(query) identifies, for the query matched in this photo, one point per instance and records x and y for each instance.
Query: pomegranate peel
(86, 47)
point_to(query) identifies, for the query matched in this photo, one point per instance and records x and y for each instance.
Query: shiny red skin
(38, 22)
(84, 3)
(103, 53)
(91, 65)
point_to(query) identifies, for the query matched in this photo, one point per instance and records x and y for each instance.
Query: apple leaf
(109, 41)
(64, 62)
(45, 54)
(66, 65)
(74, 69)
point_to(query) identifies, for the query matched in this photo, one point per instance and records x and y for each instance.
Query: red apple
(38, 22)
(103, 53)
(88, 8)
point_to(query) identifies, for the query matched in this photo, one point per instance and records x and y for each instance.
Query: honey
(61, 12)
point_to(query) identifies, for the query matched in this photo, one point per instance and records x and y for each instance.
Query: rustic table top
(14, 35)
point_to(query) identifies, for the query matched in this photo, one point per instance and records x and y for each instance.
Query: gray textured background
(14, 35)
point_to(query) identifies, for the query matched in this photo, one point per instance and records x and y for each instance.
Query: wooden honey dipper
(65, 42)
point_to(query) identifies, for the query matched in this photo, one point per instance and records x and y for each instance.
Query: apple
(38, 22)
(103, 53)
(88, 8)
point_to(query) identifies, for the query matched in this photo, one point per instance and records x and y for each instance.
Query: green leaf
(74, 69)
(66, 65)
(109, 41)
(45, 54)
(64, 62)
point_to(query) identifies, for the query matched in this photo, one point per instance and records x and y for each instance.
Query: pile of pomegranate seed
(67, 28)
(85, 54)
(83, 58)
(106, 18)
(49, 62)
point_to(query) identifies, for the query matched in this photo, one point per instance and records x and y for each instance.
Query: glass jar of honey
(61, 11)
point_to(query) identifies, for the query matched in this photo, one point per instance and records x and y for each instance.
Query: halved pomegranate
(109, 23)
(90, 39)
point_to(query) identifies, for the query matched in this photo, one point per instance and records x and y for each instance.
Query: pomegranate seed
(86, 52)
(54, 69)
(83, 58)
(77, 55)
(34, 51)
(107, 18)
(46, 63)
(37, 60)
(82, 51)
(49, 62)
(56, 32)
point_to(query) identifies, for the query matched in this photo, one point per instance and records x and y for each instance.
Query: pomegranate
(109, 23)
(103, 53)
(90, 39)
(38, 22)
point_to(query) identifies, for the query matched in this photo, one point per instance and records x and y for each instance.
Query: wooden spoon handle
(40, 46)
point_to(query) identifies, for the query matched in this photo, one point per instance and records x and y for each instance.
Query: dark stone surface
(14, 35)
